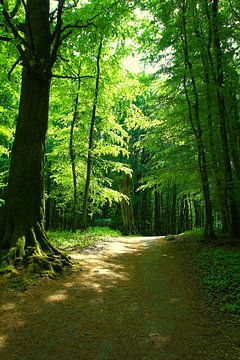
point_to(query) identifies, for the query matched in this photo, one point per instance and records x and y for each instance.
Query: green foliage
(102, 231)
(81, 239)
(194, 234)
(169, 237)
(222, 277)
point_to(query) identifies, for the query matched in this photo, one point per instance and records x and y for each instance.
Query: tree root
(47, 264)
(34, 253)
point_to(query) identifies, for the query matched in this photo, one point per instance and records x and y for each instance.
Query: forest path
(133, 300)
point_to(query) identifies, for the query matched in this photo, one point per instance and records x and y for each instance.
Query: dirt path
(132, 301)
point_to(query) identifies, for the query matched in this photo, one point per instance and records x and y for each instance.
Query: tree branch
(72, 77)
(57, 34)
(13, 67)
(89, 21)
(76, 26)
(9, 23)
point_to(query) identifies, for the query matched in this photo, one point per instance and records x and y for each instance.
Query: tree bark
(25, 236)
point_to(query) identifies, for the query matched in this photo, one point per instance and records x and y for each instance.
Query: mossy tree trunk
(25, 237)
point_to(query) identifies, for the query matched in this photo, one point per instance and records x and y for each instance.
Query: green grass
(195, 234)
(82, 239)
(222, 277)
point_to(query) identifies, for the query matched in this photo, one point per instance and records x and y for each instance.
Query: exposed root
(34, 253)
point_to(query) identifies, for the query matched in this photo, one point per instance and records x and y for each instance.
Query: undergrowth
(81, 239)
(194, 234)
(220, 271)
(222, 277)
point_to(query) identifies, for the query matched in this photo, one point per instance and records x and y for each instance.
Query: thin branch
(89, 21)
(57, 34)
(66, 36)
(9, 23)
(52, 16)
(13, 67)
(73, 77)
(62, 58)
(76, 26)
(14, 31)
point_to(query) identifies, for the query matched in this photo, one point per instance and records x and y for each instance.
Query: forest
(121, 114)
(146, 149)
(119, 121)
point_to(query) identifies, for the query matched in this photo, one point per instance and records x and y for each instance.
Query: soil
(131, 298)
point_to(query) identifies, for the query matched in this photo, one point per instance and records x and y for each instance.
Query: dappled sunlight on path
(130, 300)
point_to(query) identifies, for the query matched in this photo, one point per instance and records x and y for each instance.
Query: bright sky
(134, 65)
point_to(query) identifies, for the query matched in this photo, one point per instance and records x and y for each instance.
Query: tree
(24, 224)
(38, 41)
(90, 142)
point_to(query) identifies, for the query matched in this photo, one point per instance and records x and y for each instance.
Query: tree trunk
(157, 215)
(90, 145)
(197, 129)
(234, 227)
(127, 208)
(216, 165)
(73, 159)
(25, 236)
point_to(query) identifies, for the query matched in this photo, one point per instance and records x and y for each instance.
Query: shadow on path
(131, 301)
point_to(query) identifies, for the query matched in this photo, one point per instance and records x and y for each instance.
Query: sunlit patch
(57, 296)
(68, 285)
(3, 341)
(101, 268)
(8, 306)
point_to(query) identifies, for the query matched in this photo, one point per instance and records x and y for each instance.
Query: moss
(20, 247)
(7, 269)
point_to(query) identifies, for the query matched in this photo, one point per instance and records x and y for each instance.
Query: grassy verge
(65, 239)
(194, 234)
(221, 278)
(220, 273)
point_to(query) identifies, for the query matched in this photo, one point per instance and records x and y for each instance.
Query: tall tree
(24, 227)
(90, 142)
(38, 41)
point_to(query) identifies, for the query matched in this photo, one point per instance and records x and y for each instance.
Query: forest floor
(131, 298)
